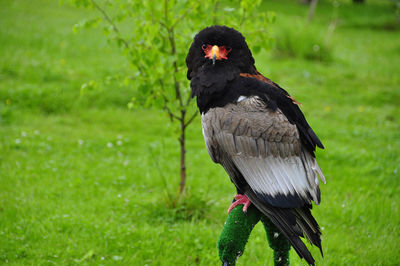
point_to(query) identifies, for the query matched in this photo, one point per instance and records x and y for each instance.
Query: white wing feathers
(266, 149)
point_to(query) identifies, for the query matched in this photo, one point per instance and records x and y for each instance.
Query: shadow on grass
(6, 112)
(390, 25)
(181, 209)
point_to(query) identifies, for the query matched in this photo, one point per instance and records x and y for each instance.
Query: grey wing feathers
(265, 147)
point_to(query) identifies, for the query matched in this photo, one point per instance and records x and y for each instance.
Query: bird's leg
(240, 199)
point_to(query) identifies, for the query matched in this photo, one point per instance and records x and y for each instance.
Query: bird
(257, 132)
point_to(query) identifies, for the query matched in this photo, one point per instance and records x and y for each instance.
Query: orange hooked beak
(215, 52)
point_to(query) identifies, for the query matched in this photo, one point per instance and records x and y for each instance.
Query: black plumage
(257, 132)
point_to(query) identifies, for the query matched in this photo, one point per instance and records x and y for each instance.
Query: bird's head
(218, 47)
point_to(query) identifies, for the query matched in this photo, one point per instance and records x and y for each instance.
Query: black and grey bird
(257, 132)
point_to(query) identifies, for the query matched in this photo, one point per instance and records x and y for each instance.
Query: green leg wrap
(278, 242)
(236, 232)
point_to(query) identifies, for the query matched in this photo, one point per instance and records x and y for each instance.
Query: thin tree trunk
(183, 153)
(311, 10)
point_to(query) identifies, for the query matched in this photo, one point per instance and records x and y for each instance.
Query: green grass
(83, 180)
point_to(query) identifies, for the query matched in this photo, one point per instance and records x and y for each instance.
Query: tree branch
(109, 20)
(189, 98)
(171, 39)
(311, 10)
(191, 119)
(184, 14)
(215, 12)
(116, 31)
(172, 116)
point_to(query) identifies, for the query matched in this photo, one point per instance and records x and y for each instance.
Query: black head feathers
(239, 56)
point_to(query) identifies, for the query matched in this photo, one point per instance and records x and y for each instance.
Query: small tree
(155, 37)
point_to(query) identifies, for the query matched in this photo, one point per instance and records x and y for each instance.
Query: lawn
(85, 180)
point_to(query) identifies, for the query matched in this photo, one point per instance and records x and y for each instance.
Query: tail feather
(309, 226)
(293, 223)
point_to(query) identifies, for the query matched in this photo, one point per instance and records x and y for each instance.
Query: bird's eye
(204, 47)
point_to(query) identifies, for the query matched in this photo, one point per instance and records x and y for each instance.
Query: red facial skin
(220, 52)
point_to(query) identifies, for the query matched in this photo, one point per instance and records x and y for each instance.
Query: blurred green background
(85, 180)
